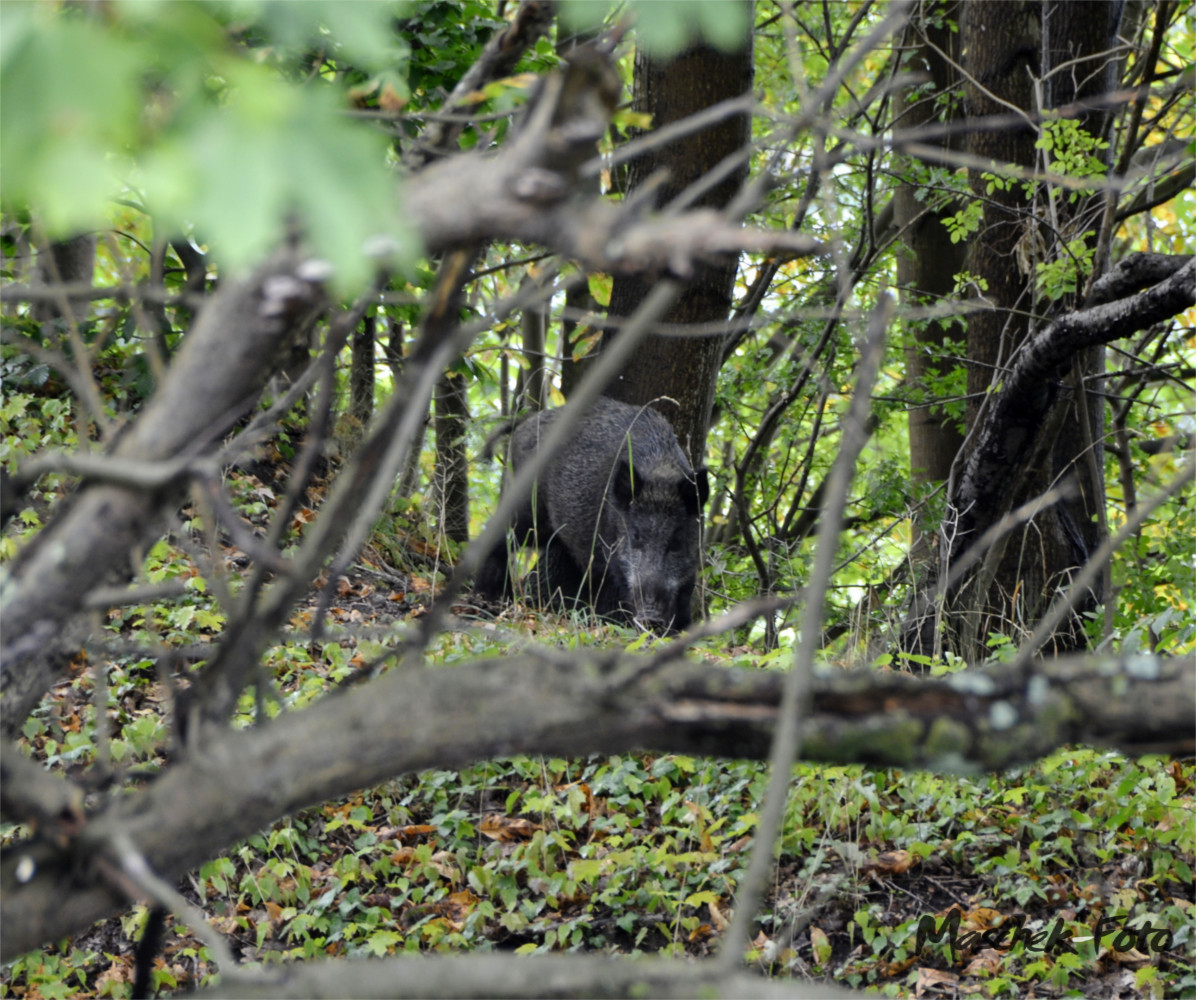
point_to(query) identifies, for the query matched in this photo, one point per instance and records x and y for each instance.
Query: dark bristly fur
(616, 515)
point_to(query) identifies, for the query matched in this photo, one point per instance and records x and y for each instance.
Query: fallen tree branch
(535, 976)
(409, 721)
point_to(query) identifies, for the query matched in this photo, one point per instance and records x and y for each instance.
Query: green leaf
(583, 15)
(361, 31)
(90, 109)
(69, 107)
(380, 942)
(667, 28)
(724, 23)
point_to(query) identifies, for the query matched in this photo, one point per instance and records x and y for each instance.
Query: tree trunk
(361, 372)
(685, 369)
(70, 262)
(926, 267)
(575, 358)
(1079, 34)
(452, 465)
(1005, 46)
(532, 385)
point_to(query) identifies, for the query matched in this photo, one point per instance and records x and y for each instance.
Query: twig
(103, 598)
(134, 876)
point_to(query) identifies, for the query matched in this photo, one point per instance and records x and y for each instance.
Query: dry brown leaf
(932, 979)
(120, 971)
(496, 826)
(986, 963)
(895, 969)
(1133, 957)
(820, 944)
(391, 100)
(413, 831)
(891, 863)
(458, 906)
(982, 918)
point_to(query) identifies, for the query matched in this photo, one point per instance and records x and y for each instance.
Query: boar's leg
(494, 580)
(557, 580)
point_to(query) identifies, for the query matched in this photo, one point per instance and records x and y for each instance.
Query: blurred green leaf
(69, 102)
(667, 28)
(361, 31)
(154, 104)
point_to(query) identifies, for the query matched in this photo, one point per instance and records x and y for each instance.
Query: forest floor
(636, 853)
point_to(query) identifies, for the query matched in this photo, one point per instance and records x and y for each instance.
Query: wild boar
(616, 516)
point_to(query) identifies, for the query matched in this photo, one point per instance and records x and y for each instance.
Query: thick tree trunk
(1079, 34)
(926, 267)
(1001, 45)
(1005, 46)
(685, 369)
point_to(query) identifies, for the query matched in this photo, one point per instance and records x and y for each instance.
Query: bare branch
(222, 365)
(408, 721)
(1009, 428)
(514, 976)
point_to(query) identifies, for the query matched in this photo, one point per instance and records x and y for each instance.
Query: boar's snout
(659, 605)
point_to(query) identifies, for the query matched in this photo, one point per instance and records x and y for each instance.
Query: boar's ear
(695, 492)
(626, 482)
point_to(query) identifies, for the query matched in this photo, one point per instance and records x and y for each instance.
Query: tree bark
(685, 369)
(1008, 47)
(533, 383)
(361, 372)
(926, 267)
(1001, 41)
(520, 976)
(575, 358)
(408, 721)
(451, 421)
